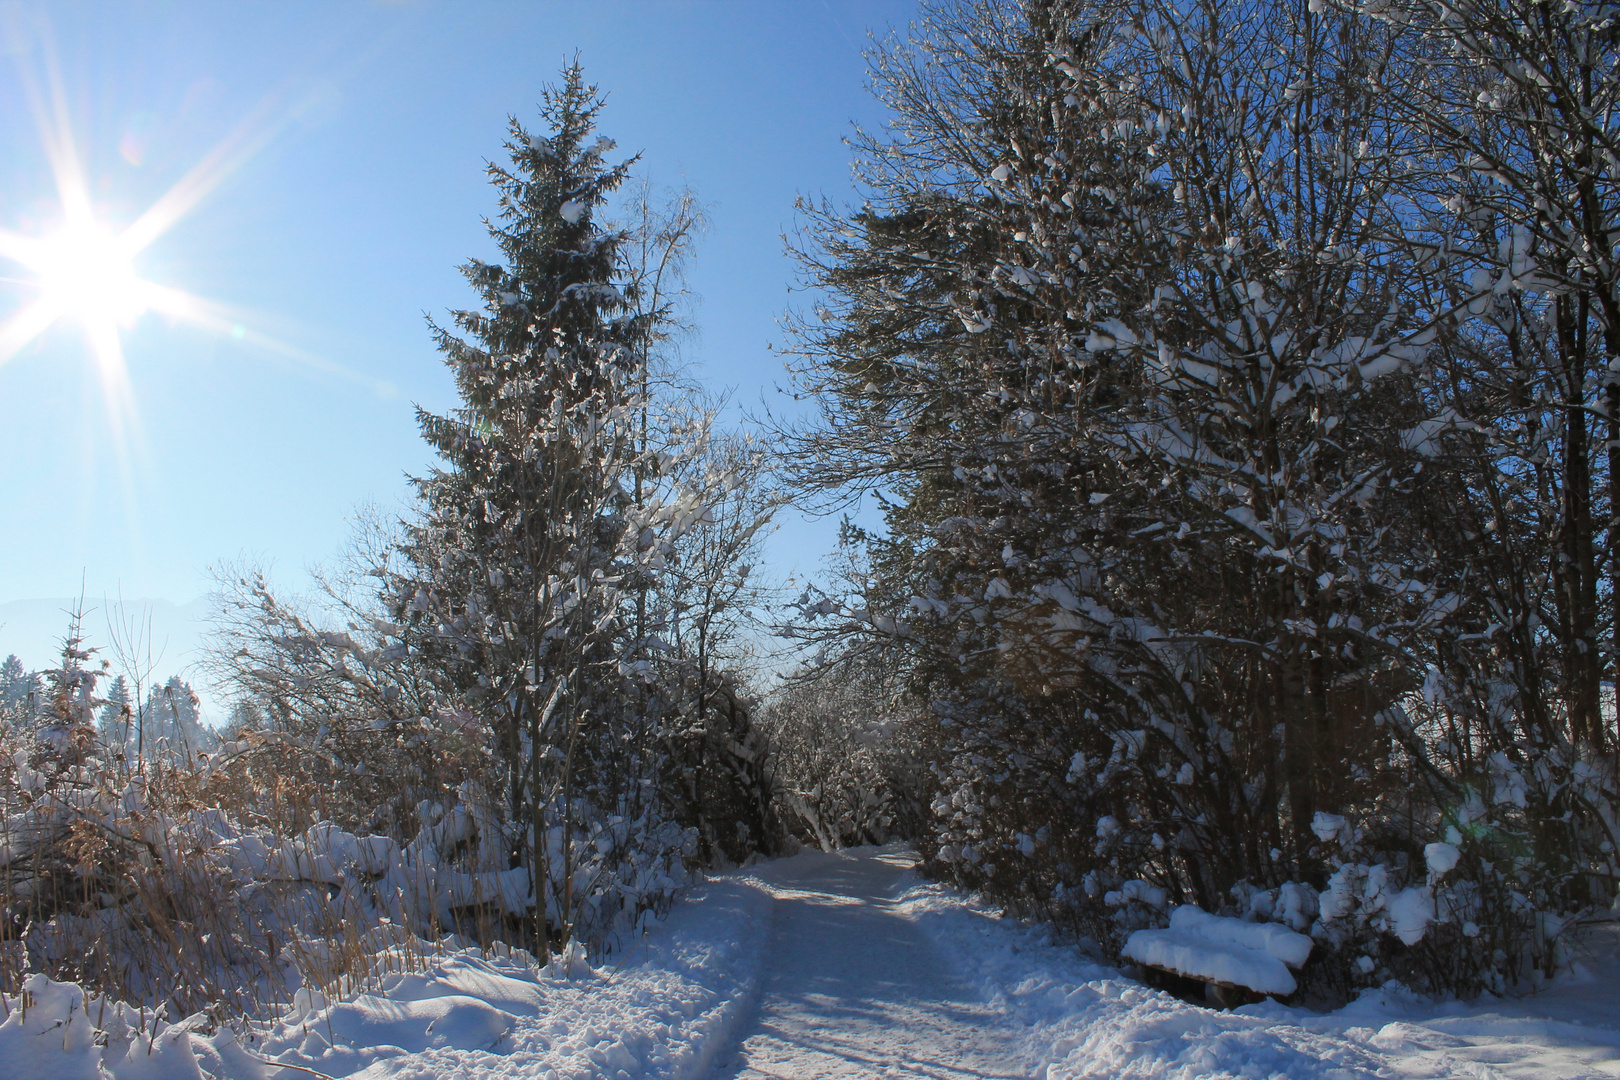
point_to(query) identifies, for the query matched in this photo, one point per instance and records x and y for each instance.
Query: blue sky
(355, 136)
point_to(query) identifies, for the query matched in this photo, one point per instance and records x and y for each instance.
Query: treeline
(137, 716)
(1239, 381)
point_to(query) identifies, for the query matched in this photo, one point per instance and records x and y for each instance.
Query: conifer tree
(520, 557)
(18, 688)
(171, 722)
(526, 645)
(115, 715)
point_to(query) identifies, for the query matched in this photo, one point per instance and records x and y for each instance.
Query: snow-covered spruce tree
(545, 523)
(21, 692)
(115, 717)
(168, 725)
(1134, 329)
(372, 707)
(510, 566)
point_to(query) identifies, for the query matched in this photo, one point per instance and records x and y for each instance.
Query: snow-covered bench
(1228, 955)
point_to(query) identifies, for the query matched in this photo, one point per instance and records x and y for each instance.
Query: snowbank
(460, 1013)
(1085, 1021)
(64, 1034)
(1223, 950)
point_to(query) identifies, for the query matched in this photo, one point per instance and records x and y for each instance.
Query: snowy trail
(853, 988)
(827, 965)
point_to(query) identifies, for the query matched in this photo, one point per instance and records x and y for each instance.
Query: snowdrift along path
(850, 987)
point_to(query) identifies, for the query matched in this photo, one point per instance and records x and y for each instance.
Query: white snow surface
(852, 986)
(1225, 950)
(829, 965)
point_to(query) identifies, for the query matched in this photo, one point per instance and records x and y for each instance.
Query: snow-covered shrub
(1202, 523)
(844, 770)
(217, 882)
(148, 892)
(346, 728)
(334, 720)
(105, 875)
(715, 780)
(1465, 878)
(1021, 816)
(700, 604)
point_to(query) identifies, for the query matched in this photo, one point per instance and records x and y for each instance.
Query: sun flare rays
(83, 270)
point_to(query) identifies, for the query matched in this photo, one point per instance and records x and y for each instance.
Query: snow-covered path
(825, 965)
(851, 988)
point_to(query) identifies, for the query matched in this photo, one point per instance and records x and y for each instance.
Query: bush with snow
(1219, 558)
(844, 769)
(160, 883)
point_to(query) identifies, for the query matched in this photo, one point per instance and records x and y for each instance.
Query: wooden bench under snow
(1223, 952)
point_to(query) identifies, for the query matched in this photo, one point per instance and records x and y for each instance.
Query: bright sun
(85, 272)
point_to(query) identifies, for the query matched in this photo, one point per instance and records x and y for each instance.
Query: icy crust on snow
(1223, 950)
(462, 1014)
